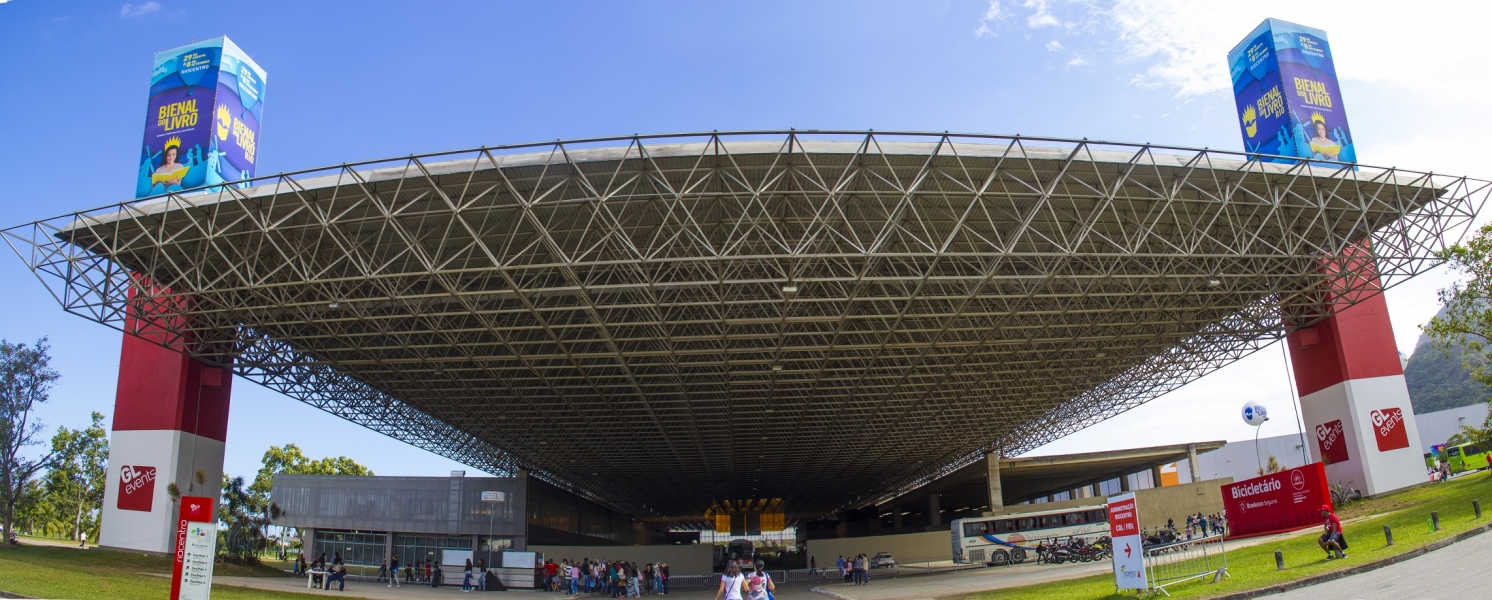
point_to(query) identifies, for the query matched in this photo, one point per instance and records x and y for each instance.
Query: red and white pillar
(1353, 396)
(170, 425)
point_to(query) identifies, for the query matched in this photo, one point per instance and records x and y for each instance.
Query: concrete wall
(1439, 426)
(1175, 502)
(931, 546)
(682, 559)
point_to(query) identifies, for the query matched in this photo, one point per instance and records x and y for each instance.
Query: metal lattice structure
(669, 321)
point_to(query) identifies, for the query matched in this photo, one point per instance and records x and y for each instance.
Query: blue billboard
(1285, 86)
(202, 124)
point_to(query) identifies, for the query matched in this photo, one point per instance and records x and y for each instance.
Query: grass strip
(61, 572)
(1253, 568)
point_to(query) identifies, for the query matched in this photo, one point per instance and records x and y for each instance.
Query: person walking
(759, 586)
(663, 577)
(731, 582)
(466, 577)
(1331, 539)
(393, 572)
(813, 565)
(383, 571)
(481, 575)
(435, 578)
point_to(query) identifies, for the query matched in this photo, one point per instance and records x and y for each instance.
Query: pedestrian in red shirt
(1332, 540)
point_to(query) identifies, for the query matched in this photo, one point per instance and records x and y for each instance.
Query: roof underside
(827, 319)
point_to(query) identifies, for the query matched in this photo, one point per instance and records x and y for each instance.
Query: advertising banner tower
(170, 422)
(202, 122)
(1353, 396)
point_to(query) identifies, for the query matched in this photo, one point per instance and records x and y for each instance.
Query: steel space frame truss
(831, 318)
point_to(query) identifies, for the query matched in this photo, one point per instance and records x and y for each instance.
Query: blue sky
(362, 80)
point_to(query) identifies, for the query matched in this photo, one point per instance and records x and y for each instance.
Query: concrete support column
(934, 511)
(1124, 483)
(896, 518)
(996, 491)
(170, 425)
(1155, 476)
(1353, 397)
(1191, 460)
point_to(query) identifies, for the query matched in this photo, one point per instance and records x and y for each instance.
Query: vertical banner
(1129, 546)
(202, 121)
(196, 546)
(1285, 86)
(1282, 501)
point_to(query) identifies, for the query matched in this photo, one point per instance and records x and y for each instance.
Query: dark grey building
(369, 519)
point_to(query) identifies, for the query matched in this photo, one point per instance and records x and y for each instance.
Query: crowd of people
(609, 578)
(1199, 525)
(854, 569)
(323, 572)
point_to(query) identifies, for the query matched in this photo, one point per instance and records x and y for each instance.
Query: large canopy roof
(827, 318)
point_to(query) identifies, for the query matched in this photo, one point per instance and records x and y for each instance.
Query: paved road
(1456, 572)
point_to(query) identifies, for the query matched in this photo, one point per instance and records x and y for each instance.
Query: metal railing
(1184, 561)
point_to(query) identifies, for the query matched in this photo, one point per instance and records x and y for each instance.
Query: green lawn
(58, 572)
(1253, 567)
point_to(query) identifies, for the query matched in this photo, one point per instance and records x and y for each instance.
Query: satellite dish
(1254, 413)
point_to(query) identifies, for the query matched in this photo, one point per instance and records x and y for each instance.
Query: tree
(289, 459)
(1272, 467)
(76, 480)
(243, 521)
(26, 378)
(1467, 319)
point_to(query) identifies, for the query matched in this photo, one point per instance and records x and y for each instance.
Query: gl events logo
(1332, 442)
(1389, 430)
(136, 487)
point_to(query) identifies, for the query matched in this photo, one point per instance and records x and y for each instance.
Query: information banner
(1282, 501)
(196, 547)
(1129, 546)
(202, 121)
(1285, 86)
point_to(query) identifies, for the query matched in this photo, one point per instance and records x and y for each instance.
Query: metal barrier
(1184, 561)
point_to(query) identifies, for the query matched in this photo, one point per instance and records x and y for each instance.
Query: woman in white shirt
(731, 582)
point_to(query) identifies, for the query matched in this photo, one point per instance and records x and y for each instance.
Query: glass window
(1075, 518)
(1051, 521)
(489, 544)
(1006, 526)
(1454, 451)
(419, 548)
(355, 547)
(1097, 516)
(1028, 523)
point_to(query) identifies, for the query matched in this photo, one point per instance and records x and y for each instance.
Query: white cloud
(1054, 46)
(1040, 16)
(991, 15)
(135, 11)
(1077, 61)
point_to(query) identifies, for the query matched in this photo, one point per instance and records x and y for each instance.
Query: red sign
(1388, 428)
(1123, 518)
(136, 487)
(1281, 501)
(1332, 442)
(194, 509)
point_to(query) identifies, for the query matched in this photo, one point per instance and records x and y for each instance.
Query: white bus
(1006, 539)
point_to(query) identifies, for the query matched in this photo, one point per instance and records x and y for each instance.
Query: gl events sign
(136, 487)
(1129, 547)
(1282, 501)
(1285, 86)
(196, 546)
(202, 124)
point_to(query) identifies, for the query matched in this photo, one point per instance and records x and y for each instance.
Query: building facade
(368, 520)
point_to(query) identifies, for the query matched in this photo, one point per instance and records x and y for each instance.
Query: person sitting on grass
(1332, 540)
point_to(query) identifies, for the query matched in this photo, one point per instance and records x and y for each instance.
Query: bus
(1466, 457)
(1006, 539)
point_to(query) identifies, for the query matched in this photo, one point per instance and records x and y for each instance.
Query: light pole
(1256, 445)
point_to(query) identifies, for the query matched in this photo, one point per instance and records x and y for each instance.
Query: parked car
(882, 560)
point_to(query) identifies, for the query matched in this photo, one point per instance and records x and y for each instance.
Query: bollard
(1388, 536)
(1434, 521)
(1279, 560)
(1476, 505)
